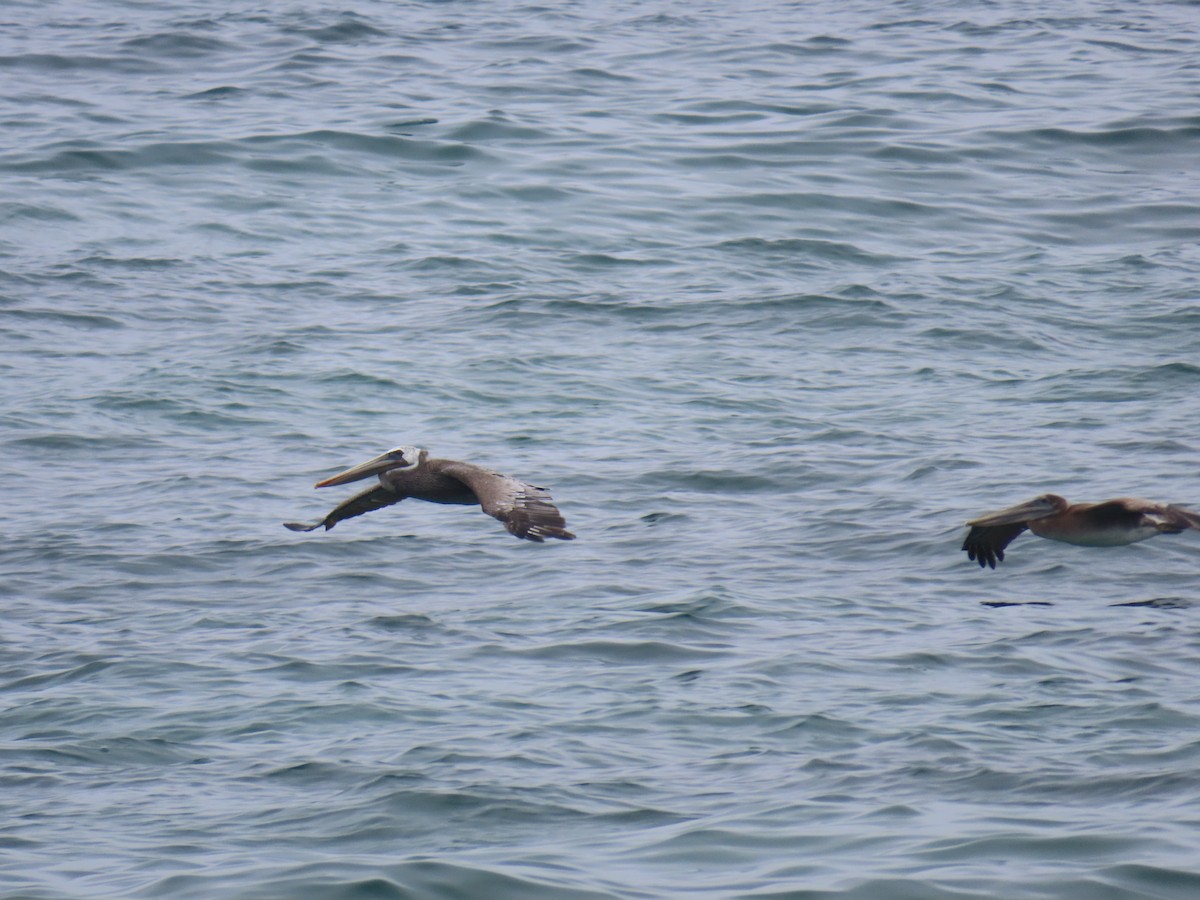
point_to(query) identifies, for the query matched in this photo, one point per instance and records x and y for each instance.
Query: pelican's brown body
(1113, 523)
(408, 472)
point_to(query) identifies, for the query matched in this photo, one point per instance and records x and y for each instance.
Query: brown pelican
(525, 510)
(1113, 523)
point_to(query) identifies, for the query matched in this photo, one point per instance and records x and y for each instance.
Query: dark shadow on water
(998, 604)
(1161, 603)
(1155, 603)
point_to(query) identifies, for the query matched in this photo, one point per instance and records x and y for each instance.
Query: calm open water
(773, 296)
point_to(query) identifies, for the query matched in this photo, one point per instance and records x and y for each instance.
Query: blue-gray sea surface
(773, 296)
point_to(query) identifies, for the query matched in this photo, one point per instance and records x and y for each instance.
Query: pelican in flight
(1113, 523)
(525, 509)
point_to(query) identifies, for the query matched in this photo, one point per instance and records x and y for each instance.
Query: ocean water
(773, 296)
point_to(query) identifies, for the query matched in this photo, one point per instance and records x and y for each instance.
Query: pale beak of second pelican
(1014, 515)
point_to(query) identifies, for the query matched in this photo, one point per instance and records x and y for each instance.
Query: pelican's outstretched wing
(1168, 518)
(992, 532)
(368, 501)
(1184, 518)
(525, 509)
(986, 543)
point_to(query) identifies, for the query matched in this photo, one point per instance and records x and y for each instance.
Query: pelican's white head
(407, 457)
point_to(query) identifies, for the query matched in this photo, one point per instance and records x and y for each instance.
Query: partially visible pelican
(1113, 523)
(525, 509)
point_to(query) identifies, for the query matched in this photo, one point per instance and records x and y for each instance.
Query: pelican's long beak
(381, 463)
(1015, 515)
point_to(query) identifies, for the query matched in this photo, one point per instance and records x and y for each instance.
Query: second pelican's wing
(1166, 517)
(986, 543)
